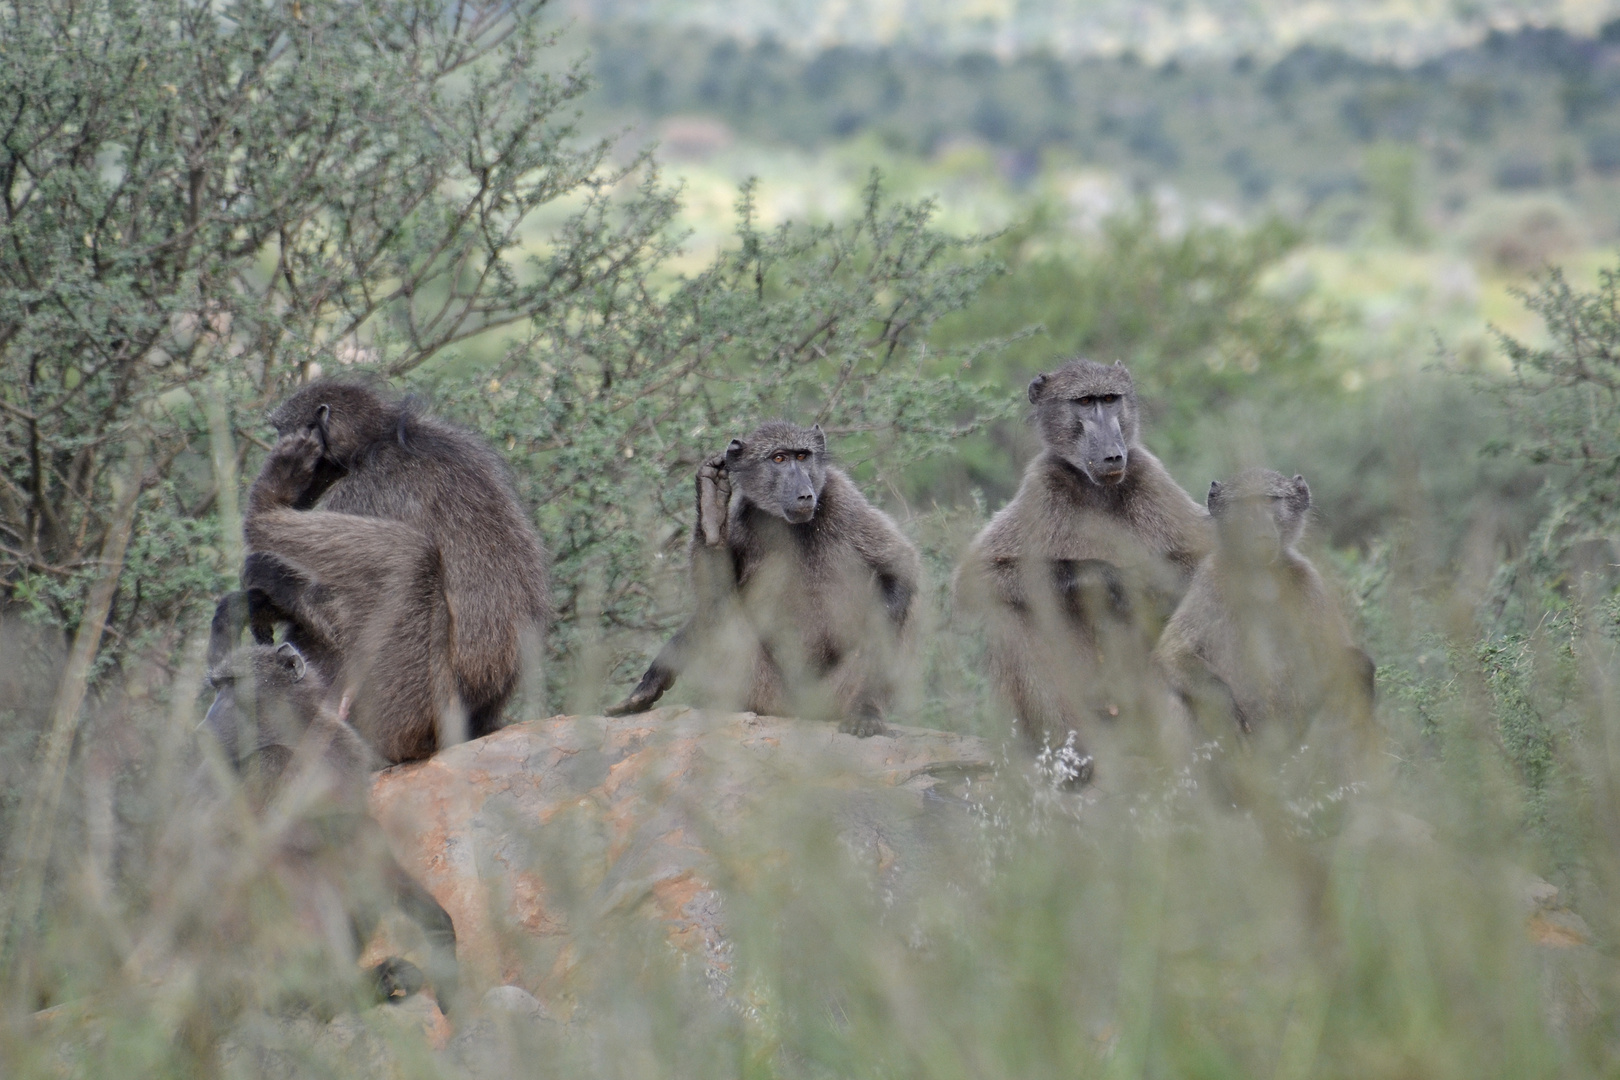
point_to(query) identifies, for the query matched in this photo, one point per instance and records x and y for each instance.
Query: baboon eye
(779, 458)
(1109, 399)
(803, 455)
(1085, 399)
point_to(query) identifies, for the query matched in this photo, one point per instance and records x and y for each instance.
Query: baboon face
(263, 696)
(780, 468)
(348, 416)
(1260, 513)
(1086, 413)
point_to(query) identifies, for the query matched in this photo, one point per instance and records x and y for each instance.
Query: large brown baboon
(804, 589)
(362, 597)
(1076, 575)
(278, 728)
(382, 458)
(1259, 638)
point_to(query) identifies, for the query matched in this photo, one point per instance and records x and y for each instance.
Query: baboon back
(451, 487)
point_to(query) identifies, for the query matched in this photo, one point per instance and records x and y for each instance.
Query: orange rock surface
(529, 835)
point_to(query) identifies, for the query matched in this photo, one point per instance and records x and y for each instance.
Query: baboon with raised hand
(381, 457)
(805, 591)
(281, 732)
(1077, 574)
(362, 597)
(1259, 639)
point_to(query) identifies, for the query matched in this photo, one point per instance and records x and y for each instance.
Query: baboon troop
(804, 589)
(1078, 573)
(1259, 639)
(394, 585)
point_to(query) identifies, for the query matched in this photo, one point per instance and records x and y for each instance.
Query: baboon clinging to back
(362, 597)
(804, 589)
(382, 458)
(1077, 573)
(275, 720)
(1259, 638)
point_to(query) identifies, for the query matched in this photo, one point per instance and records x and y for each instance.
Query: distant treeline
(1521, 110)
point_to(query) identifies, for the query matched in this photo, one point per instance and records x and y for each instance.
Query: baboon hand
(713, 500)
(290, 468)
(864, 724)
(647, 692)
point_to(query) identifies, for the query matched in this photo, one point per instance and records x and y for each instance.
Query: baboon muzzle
(1103, 450)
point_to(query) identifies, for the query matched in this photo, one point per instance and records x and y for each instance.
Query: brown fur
(303, 766)
(1259, 635)
(362, 597)
(805, 591)
(381, 458)
(1076, 574)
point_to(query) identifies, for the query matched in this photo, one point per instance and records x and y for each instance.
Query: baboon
(381, 457)
(274, 720)
(361, 597)
(804, 589)
(1259, 638)
(1076, 575)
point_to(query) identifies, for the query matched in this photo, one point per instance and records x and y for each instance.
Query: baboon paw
(396, 979)
(294, 457)
(630, 705)
(714, 500)
(644, 696)
(863, 727)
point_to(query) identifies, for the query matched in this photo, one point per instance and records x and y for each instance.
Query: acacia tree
(202, 202)
(1564, 400)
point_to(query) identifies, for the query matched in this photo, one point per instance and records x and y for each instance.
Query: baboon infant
(362, 597)
(1076, 575)
(382, 458)
(1259, 637)
(275, 723)
(804, 589)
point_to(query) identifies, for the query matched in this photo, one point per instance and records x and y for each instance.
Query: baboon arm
(714, 578)
(1366, 671)
(713, 502)
(278, 590)
(1205, 693)
(1086, 586)
(230, 617)
(661, 673)
(394, 976)
(898, 594)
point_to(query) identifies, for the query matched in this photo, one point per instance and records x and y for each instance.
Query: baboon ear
(821, 439)
(288, 656)
(1118, 362)
(1037, 386)
(735, 450)
(1214, 497)
(1302, 489)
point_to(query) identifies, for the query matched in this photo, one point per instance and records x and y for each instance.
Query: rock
(531, 834)
(509, 1023)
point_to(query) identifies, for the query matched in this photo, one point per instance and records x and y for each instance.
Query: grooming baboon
(362, 597)
(1076, 575)
(804, 589)
(1259, 637)
(278, 729)
(382, 458)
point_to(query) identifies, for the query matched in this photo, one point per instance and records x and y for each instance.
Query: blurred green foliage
(1317, 131)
